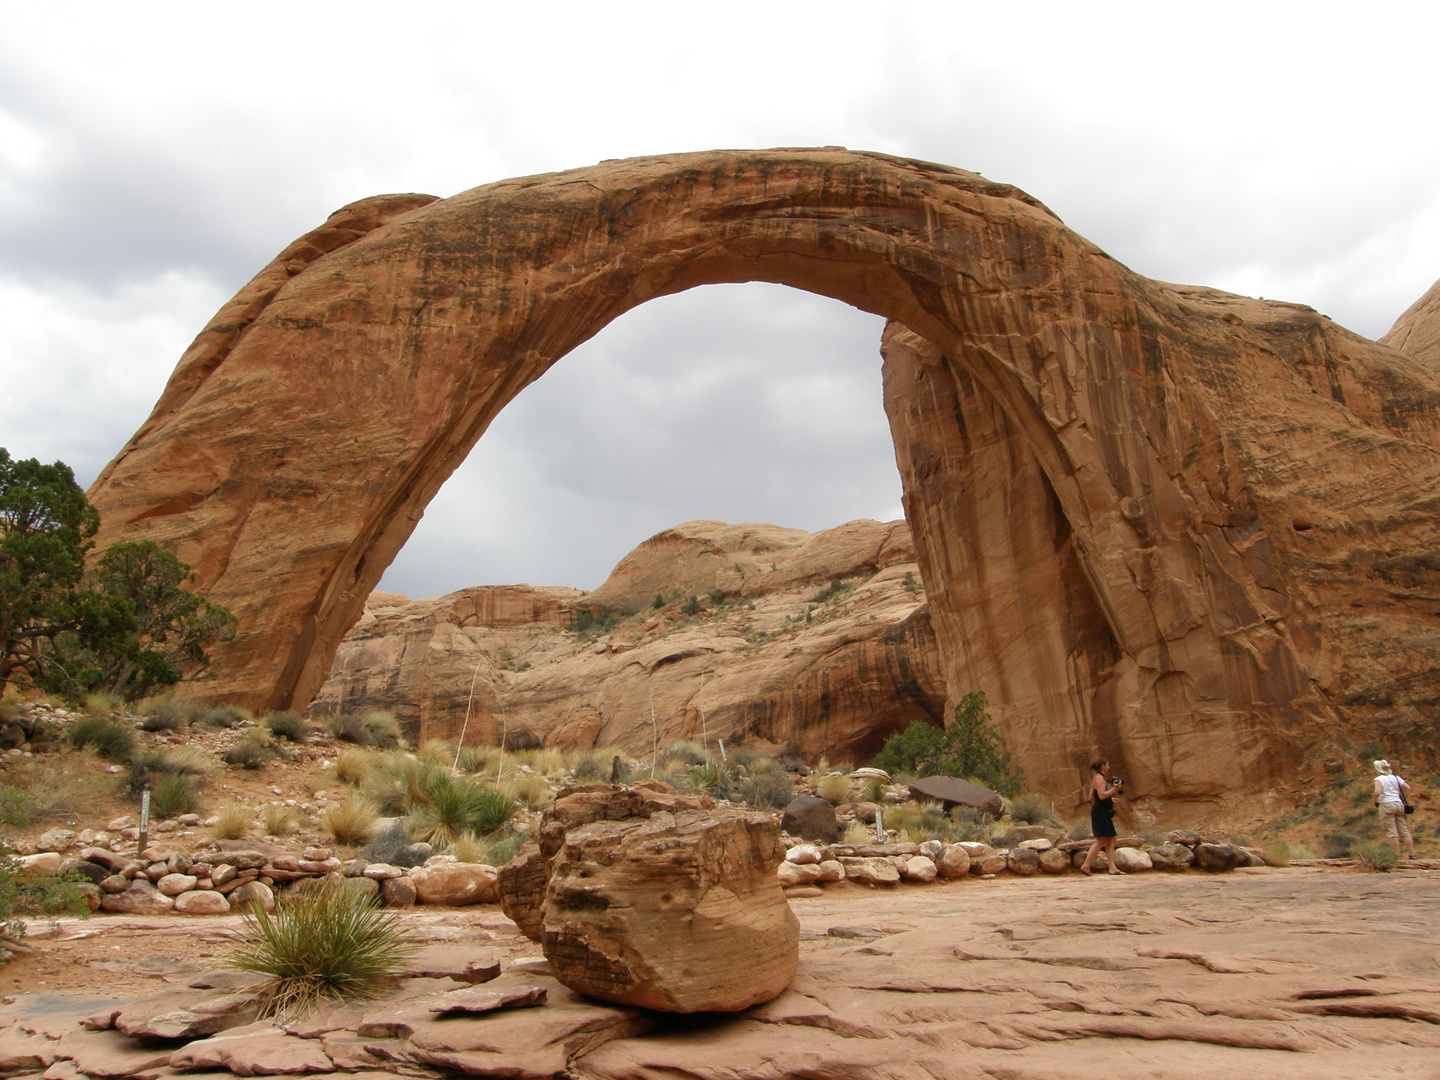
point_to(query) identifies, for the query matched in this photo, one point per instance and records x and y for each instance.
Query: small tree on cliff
(970, 748)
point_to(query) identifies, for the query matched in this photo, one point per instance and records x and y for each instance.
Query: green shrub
(1278, 854)
(173, 795)
(766, 789)
(103, 704)
(685, 753)
(374, 727)
(594, 623)
(1030, 808)
(874, 790)
(167, 715)
(1340, 845)
(658, 602)
(691, 606)
(17, 806)
(288, 725)
(969, 748)
(330, 942)
(109, 738)
(1375, 855)
(249, 753)
(225, 716)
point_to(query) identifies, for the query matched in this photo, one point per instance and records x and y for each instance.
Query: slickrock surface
(1290, 973)
(1205, 525)
(769, 665)
(1417, 332)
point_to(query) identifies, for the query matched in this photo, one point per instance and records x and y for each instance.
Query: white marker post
(879, 826)
(144, 838)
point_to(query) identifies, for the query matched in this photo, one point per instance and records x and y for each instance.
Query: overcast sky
(153, 157)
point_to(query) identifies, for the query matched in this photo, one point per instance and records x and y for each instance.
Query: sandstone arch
(1217, 489)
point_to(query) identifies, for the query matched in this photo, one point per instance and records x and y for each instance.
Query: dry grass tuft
(233, 822)
(279, 819)
(351, 822)
(833, 789)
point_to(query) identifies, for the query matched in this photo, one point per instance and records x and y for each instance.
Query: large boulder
(675, 907)
(139, 898)
(812, 818)
(521, 884)
(955, 792)
(1132, 860)
(954, 862)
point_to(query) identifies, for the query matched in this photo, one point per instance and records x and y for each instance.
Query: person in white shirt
(1391, 795)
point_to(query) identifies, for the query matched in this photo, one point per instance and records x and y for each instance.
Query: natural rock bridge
(1195, 530)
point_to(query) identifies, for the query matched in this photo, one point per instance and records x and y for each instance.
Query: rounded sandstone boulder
(1171, 857)
(455, 884)
(202, 902)
(954, 862)
(1132, 860)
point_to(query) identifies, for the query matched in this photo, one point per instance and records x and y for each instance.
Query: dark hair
(1099, 766)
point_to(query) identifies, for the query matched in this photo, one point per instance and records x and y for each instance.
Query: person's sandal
(1086, 871)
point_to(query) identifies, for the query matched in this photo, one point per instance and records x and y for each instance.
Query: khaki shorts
(1392, 819)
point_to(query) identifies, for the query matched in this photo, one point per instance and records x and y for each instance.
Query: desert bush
(1079, 829)
(109, 738)
(766, 789)
(969, 747)
(173, 794)
(225, 716)
(468, 848)
(589, 770)
(351, 821)
(251, 752)
(389, 846)
(501, 847)
(455, 805)
(398, 784)
(287, 725)
(898, 815)
(1300, 851)
(24, 892)
(857, 832)
(683, 753)
(330, 942)
(436, 752)
(530, 791)
(874, 790)
(374, 727)
(1278, 854)
(353, 765)
(833, 789)
(166, 715)
(233, 822)
(279, 819)
(17, 806)
(1029, 808)
(150, 768)
(545, 760)
(1340, 844)
(103, 704)
(1375, 855)
(474, 759)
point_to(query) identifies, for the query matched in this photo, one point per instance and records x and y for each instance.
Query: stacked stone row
(807, 866)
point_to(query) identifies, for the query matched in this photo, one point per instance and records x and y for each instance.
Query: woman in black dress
(1102, 816)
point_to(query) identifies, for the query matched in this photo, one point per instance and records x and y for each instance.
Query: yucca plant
(454, 806)
(326, 943)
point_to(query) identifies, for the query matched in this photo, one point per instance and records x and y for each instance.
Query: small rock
(1188, 837)
(120, 823)
(223, 873)
(453, 960)
(954, 862)
(1132, 860)
(918, 868)
(417, 854)
(115, 883)
(871, 871)
(871, 774)
(317, 854)
(992, 864)
(932, 850)
(1054, 861)
(139, 898)
(241, 898)
(320, 866)
(189, 821)
(803, 853)
(354, 867)
(803, 892)
(831, 870)
(1171, 856)
(175, 884)
(1041, 843)
(167, 826)
(47, 862)
(202, 902)
(382, 871)
(1023, 861)
(246, 860)
(1098, 865)
(791, 874)
(91, 893)
(55, 840)
(397, 892)
(285, 862)
(85, 837)
(480, 1000)
(179, 863)
(1218, 857)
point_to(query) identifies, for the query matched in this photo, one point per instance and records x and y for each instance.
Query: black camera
(1115, 781)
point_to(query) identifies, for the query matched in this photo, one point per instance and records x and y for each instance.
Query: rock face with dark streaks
(1195, 530)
